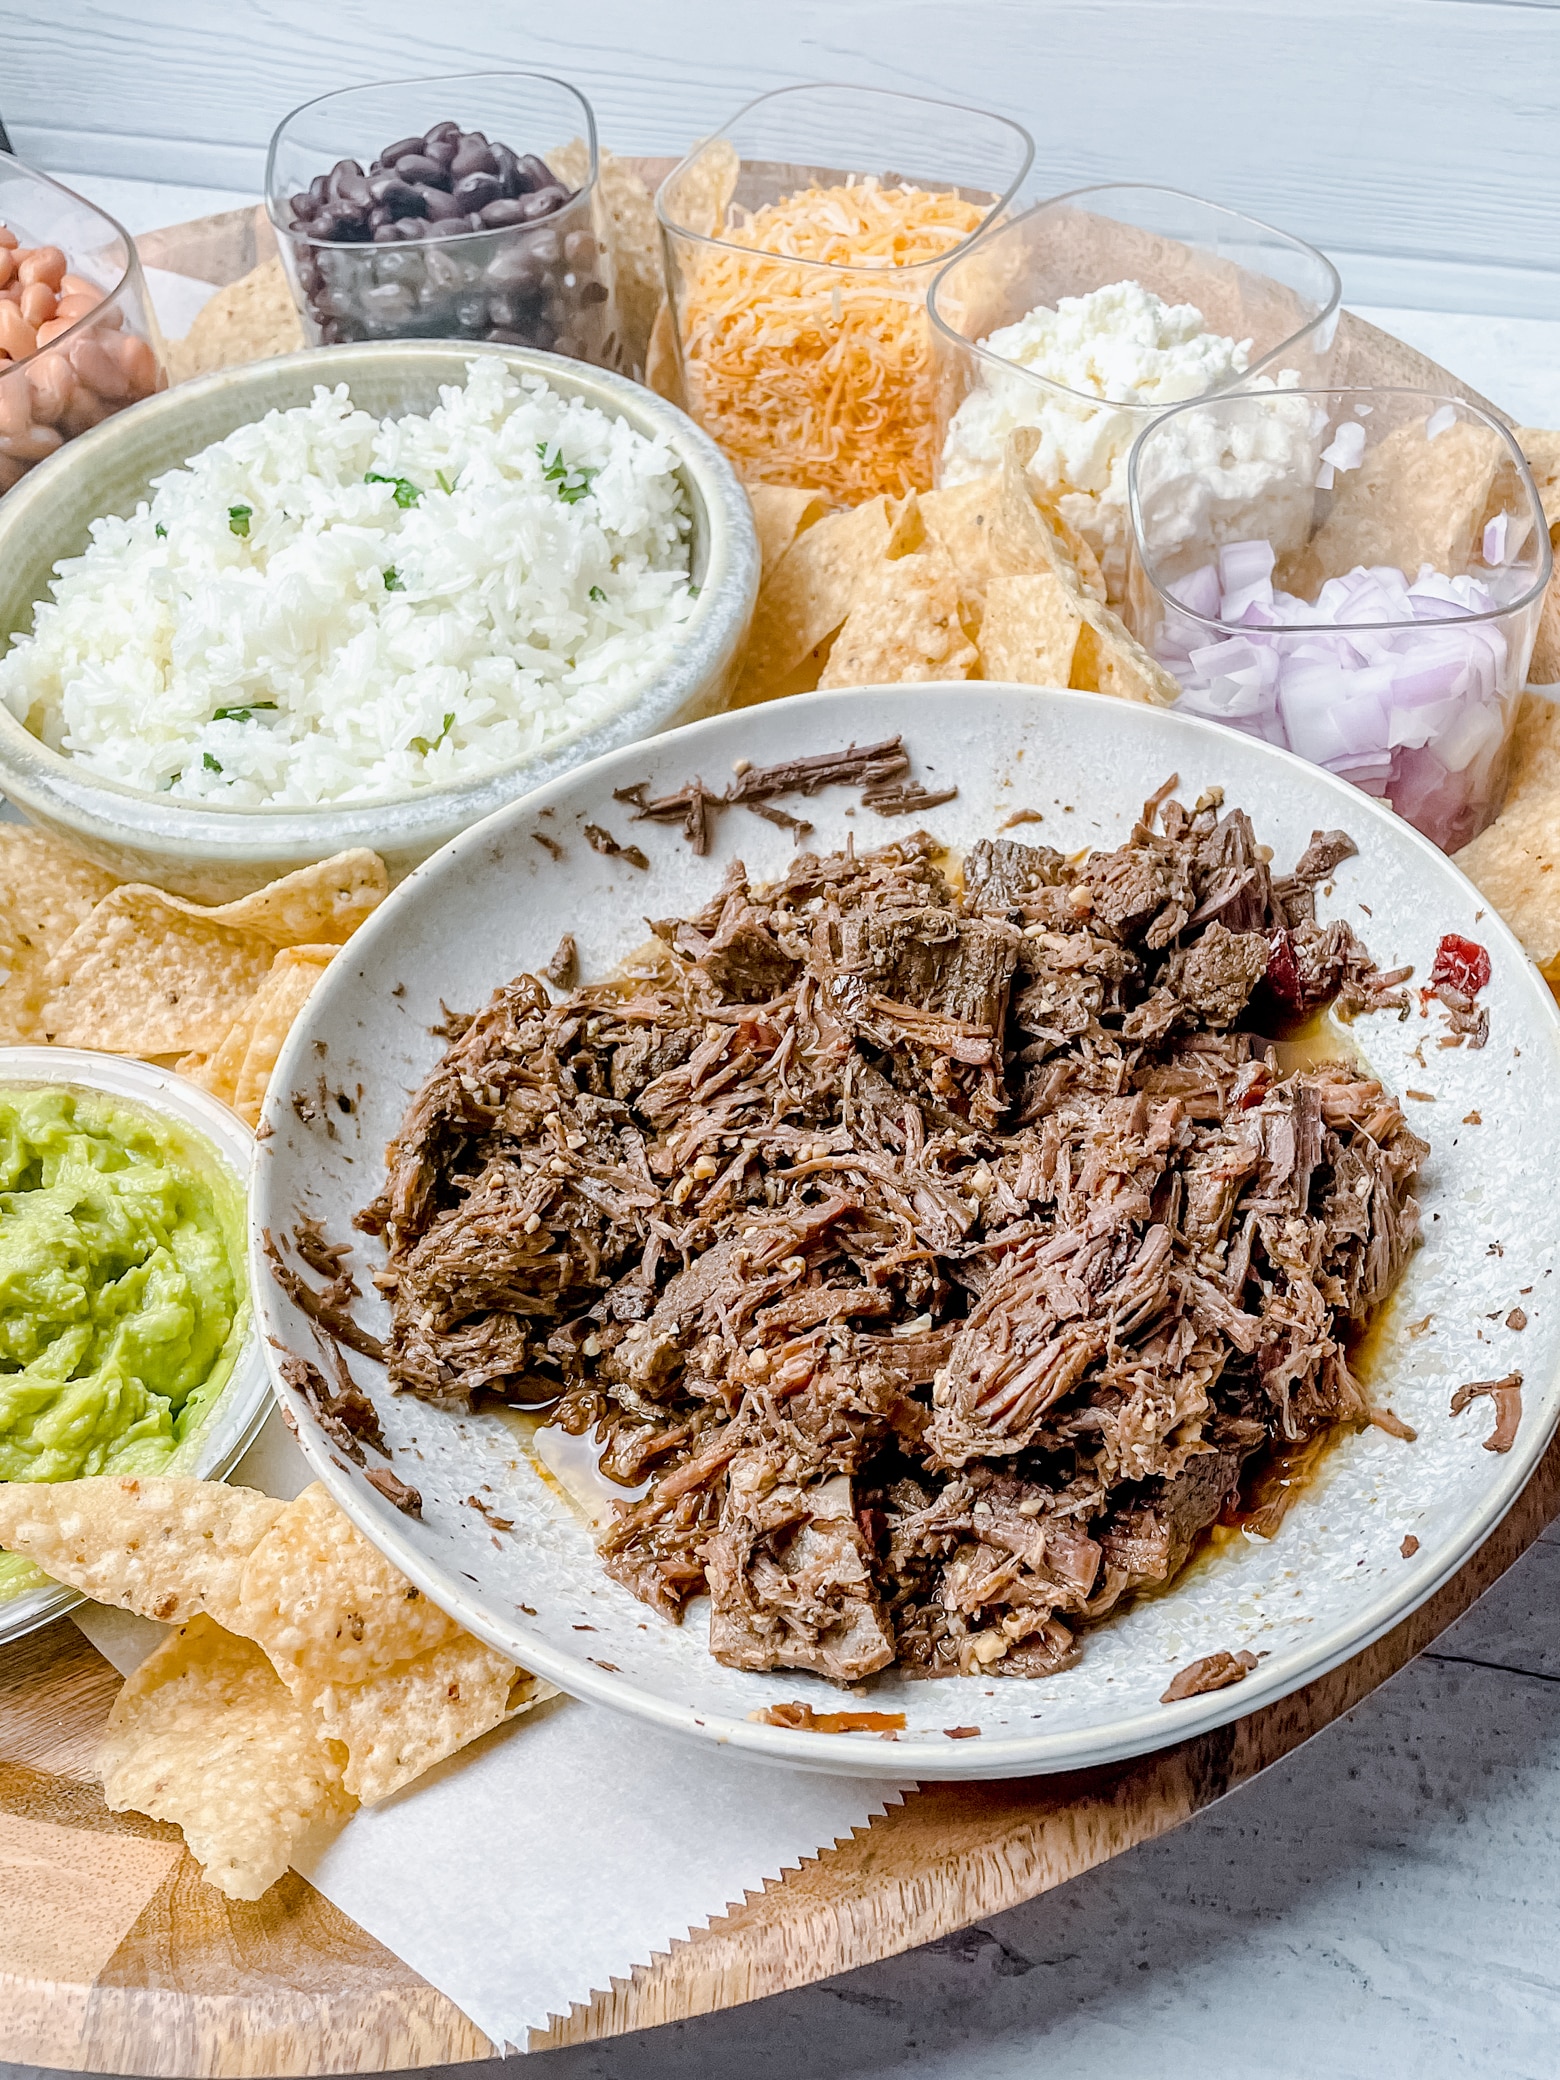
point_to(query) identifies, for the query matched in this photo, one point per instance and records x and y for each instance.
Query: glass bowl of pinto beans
(78, 341)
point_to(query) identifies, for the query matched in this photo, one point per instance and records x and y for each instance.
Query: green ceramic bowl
(213, 854)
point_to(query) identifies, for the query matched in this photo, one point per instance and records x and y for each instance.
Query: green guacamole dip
(123, 1302)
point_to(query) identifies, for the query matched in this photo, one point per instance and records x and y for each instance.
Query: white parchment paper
(559, 1852)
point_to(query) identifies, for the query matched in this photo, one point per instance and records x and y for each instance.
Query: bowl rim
(1435, 400)
(918, 270)
(245, 1399)
(726, 595)
(1150, 413)
(1033, 1755)
(430, 79)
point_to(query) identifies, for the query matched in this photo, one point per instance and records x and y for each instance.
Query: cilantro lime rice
(330, 607)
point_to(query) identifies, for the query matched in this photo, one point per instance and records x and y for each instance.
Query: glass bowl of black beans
(458, 230)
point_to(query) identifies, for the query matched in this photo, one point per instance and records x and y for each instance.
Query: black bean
(422, 171)
(534, 173)
(444, 271)
(343, 169)
(474, 191)
(439, 206)
(446, 132)
(544, 248)
(507, 166)
(388, 300)
(473, 157)
(579, 249)
(309, 276)
(501, 215)
(471, 312)
(379, 218)
(386, 185)
(385, 234)
(319, 189)
(402, 149)
(544, 202)
(513, 268)
(442, 152)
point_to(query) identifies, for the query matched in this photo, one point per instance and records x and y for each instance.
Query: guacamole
(122, 1295)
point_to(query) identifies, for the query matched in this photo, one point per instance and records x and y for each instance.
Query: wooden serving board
(116, 1958)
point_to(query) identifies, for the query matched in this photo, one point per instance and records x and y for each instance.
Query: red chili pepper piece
(1462, 964)
(1283, 970)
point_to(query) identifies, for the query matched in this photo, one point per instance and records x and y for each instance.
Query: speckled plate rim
(1139, 1731)
(234, 1420)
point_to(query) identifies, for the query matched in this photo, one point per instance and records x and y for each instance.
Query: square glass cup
(457, 236)
(1262, 288)
(811, 371)
(89, 345)
(1353, 575)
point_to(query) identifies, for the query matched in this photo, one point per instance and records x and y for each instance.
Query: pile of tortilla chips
(307, 1676)
(978, 581)
(1543, 459)
(1516, 861)
(88, 961)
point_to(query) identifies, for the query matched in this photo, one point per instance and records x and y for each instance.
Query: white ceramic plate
(1334, 1578)
(232, 1423)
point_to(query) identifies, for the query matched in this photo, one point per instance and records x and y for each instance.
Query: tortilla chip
(326, 1606)
(251, 319)
(316, 905)
(1108, 658)
(780, 515)
(47, 888)
(1545, 667)
(1411, 501)
(662, 373)
(156, 1544)
(633, 236)
(280, 998)
(1516, 863)
(1543, 459)
(402, 1723)
(1030, 630)
(811, 590)
(705, 188)
(143, 975)
(1535, 749)
(203, 1734)
(905, 626)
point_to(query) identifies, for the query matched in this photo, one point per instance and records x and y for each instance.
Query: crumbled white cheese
(1106, 362)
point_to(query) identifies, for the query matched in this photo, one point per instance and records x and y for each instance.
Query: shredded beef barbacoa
(933, 1254)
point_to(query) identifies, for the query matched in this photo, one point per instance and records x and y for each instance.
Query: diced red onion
(1494, 544)
(1346, 449)
(1380, 679)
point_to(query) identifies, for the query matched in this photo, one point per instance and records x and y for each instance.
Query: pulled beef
(936, 1255)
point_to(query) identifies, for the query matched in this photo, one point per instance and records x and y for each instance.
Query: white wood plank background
(1418, 141)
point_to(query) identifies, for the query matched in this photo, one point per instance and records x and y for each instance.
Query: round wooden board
(116, 1958)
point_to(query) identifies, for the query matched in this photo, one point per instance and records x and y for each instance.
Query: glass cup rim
(1434, 399)
(131, 273)
(427, 79)
(918, 268)
(993, 230)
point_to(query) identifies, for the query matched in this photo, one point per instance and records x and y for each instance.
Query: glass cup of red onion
(430, 209)
(78, 341)
(1353, 575)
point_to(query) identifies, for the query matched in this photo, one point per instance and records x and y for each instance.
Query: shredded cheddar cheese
(823, 379)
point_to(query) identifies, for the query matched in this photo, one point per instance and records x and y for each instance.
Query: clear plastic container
(817, 370)
(1355, 575)
(97, 350)
(497, 245)
(1273, 296)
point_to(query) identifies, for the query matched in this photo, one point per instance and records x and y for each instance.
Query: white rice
(533, 606)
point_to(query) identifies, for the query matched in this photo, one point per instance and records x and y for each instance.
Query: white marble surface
(1383, 1904)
